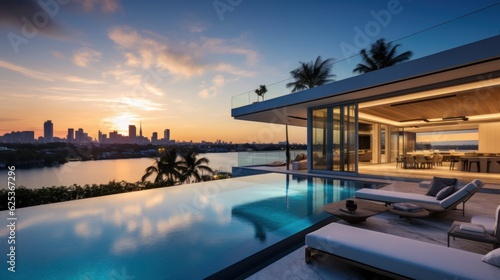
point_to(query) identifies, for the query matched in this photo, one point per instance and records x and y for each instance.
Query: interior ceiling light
(415, 120)
(460, 118)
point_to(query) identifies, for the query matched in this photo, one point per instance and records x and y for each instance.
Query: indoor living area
(456, 129)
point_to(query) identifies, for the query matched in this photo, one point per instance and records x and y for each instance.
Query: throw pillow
(445, 192)
(298, 157)
(492, 257)
(439, 183)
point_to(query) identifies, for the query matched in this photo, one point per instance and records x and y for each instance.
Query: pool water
(184, 232)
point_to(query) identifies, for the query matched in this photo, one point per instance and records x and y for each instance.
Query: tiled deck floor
(432, 229)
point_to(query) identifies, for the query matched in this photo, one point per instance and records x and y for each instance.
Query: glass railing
(265, 157)
(479, 25)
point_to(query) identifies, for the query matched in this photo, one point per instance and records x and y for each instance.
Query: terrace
(431, 230)
(453, 88)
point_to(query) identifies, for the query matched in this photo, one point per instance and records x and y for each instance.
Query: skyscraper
(132, 132)
(48, 131)
(80, 135)
(166, 134)
(154, 137)
(140, 129)
(71, 135)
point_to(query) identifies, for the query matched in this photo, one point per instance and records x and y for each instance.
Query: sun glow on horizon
(119, 123)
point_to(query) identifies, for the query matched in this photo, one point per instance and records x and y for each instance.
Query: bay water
(129, 170)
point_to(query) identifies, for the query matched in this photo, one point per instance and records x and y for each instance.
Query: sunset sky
(105, 64)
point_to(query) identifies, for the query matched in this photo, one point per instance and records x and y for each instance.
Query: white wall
(489, 138)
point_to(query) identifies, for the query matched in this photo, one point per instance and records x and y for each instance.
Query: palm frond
(381, 55)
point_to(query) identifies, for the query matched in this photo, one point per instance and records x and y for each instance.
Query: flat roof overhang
(472, 66)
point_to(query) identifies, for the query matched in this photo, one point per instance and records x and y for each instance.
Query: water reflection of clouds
(137, 219)
(86, 230)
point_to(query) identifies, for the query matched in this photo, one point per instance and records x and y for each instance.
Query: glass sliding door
(319, 122)
(383, 143)
(350, 141)
(334, 138)
(337, 139)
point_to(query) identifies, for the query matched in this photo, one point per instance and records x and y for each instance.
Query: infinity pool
(184, 232)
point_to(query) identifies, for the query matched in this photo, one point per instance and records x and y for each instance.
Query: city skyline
(103, 65)
(80, 136)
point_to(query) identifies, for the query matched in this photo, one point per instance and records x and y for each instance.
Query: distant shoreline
(29, 156)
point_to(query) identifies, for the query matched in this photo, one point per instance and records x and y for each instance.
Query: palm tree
(381, 55)
(261, 91)
(311, 74)
(157, 168)
(168, 167)
(193, 166)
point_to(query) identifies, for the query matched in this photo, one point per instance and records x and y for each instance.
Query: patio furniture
(456, 231)
(395, 256)
(460, 195)
(299, 162)
(365, 209)
(491, 226)
(423, 213)
(490, 223)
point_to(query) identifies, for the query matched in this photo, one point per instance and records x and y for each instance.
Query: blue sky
(105, 64)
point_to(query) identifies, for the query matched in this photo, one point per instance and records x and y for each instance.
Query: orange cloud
(84, 56)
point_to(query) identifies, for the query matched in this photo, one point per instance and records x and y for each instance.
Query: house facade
(376, 116)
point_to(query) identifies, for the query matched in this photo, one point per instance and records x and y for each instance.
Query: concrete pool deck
(432, 230)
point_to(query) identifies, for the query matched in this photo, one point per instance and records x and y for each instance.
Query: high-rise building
(100, 137)
(132, 132)
(18, 137)
(154, 137)
(80, 135)
(48, 131)
(166, 134)
(140, 129)
(71, 135)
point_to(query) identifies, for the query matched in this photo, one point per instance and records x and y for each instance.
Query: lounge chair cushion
(439, 183)
(456, 196)
(408, 257)
(445, 192)
(394, 196)
(487, 221)
(493, 257)
(300, 157)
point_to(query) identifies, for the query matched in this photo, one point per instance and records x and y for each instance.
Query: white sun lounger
(396, 256)
(461, 195)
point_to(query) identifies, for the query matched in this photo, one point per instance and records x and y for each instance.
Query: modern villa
(376, 116)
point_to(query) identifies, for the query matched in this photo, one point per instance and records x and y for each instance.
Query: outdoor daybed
(300, 162)
(434, 203)
(399, 257)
